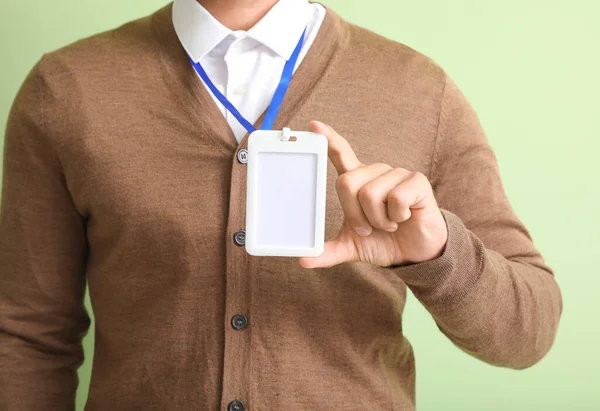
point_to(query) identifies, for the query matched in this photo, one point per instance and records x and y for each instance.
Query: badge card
(286, 189)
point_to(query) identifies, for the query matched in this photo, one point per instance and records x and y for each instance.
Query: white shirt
(246, 66)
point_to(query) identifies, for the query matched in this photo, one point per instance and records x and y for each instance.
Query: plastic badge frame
(286, 192)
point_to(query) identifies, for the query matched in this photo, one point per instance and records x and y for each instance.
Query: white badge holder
(286, 189)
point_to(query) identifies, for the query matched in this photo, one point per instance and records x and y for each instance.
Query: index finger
(340, 152)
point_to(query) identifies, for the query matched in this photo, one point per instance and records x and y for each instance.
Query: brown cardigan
(120, 170)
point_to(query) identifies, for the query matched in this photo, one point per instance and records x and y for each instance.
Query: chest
(138, 171)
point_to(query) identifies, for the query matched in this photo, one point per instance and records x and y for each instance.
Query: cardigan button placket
(237, 354)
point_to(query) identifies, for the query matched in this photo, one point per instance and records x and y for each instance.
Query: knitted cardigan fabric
(120, 172)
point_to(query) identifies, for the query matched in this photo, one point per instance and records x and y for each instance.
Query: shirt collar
(280, 29)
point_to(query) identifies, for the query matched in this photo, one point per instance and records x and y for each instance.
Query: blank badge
(286, 188)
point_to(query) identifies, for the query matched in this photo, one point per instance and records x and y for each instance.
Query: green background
(532, 71)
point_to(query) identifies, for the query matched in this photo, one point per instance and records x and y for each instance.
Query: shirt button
(240, 237)
(239, 322)
(242, 156)
(236, 405)
(240, 90)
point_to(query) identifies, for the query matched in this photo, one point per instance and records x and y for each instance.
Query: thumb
(336, 252)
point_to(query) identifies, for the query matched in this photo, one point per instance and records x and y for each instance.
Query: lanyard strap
(277, 100)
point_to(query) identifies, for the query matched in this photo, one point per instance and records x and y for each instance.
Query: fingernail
(392, 229)
(362, 231)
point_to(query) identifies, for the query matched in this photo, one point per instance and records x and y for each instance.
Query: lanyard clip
(286, 134)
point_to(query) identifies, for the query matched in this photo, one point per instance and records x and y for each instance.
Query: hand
(390, 214)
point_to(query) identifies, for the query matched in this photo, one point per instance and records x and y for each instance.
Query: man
(123, 168)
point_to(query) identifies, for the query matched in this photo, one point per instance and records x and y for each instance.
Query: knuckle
(397, 197)
(420, 177)
(367, 194)
(345, 183)
(402, 171)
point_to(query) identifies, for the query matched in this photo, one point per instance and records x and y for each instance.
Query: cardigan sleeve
(42, 262)
(491, 292)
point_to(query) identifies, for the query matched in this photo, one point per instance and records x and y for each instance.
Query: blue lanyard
(275, 105)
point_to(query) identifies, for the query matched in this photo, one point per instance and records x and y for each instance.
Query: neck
(238, 14)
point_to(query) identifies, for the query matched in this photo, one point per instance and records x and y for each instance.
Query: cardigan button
(236, 405)
(240, 237)
(239, 322)
(242, 156)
